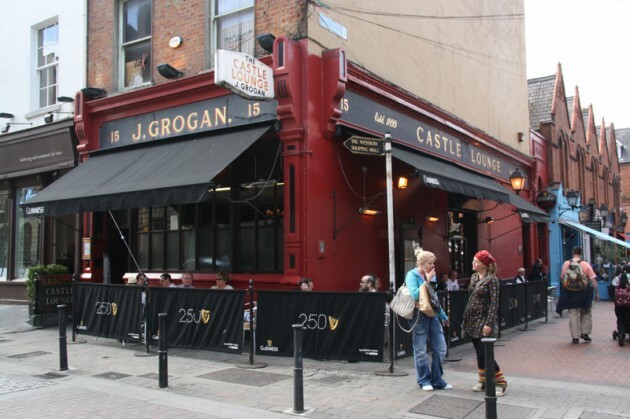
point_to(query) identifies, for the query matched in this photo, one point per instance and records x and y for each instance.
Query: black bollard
(63, 349)
(162, 351)
(251, 322)
(298, 382)
(491, 391)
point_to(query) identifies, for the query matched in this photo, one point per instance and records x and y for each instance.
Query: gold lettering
(419, 133)
(459, 150)
(436, 138)
(166, 127)
(191, 121)
(178, 124)
(429, 139)
(206, 122)
(153, 129)
(136, 136)
(220, 114)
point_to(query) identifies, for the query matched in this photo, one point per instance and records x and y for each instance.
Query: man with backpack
(577, 283)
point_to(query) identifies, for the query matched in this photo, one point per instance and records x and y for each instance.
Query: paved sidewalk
(548, 378)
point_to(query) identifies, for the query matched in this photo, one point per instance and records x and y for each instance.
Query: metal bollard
(298, 381)
(251, 322)
(491, 392)
(63, 348)
(162, 351)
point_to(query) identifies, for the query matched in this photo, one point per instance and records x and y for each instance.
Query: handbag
(426, 303)
(403, 303)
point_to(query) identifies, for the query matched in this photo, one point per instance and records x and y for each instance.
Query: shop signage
(375, 117)
(365, 145)
(545, 200)
(199, 117)
(35, 155)
(595, 224)
(244, 75)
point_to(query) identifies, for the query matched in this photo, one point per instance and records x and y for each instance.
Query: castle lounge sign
(364, 112)
(244, 75)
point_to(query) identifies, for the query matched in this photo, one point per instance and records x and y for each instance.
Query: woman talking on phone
(480, 315)
(429, 377)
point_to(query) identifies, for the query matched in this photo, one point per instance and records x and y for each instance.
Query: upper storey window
(48, 64)
(135, 45)
(233, 25)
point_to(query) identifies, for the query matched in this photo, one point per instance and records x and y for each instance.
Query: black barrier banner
(509, 306)
(536, 299)
(347, 326)
(404, 340)
(108, 311)
(456, 304)
(203, 319)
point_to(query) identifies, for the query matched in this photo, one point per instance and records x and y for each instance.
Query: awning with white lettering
(171, 172)
(438, 174)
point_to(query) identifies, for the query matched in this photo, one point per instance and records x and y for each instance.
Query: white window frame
(46, 66)
(216, 17)
(123, 45)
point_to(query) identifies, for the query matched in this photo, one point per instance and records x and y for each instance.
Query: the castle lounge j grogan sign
(244, 75)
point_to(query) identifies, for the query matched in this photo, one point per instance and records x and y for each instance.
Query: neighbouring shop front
(29, 161)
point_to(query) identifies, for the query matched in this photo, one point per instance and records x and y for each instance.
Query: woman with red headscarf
(480, 315)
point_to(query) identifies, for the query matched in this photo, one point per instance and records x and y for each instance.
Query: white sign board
(244, 75)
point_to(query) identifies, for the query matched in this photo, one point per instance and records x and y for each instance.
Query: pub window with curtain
(135, 43)
(232, 23)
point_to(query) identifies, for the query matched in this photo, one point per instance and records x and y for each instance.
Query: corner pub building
(195, 178)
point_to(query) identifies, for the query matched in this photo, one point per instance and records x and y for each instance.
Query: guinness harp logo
(205, 316)
(333, 322)
(114, 308)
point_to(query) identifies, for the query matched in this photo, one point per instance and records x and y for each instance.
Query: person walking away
(423, 327)
(577, 284)
(480, 316)
(622, 305)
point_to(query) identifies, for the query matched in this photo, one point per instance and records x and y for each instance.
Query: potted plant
(34, 310)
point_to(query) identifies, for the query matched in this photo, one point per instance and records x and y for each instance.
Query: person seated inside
(166, 281)
(306, 284)
(442, 283)
(187, 280)
(453, 283)
(520, 276)
(222, 282)
(367, 283)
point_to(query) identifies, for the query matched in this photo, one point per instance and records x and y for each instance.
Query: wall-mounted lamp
(168, 71)
(603, 211)
(93, 92)
(431, 218)
(487, 220)
(403, 182)
(371, 211)
(49, 118)
(7, 126)
(265, 41)
(65, 99)
(6, 115)
(517, 179)
(623, 219)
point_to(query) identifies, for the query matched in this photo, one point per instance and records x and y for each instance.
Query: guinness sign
(546, 200)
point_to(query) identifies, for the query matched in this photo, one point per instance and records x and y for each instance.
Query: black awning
(437, 174)
(529, 212)
(175, 172)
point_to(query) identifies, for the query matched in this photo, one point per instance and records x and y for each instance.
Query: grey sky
(590, 39)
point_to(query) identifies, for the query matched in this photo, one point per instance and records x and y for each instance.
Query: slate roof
(540, 96)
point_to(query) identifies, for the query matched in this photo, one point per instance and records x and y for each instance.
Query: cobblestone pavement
(548, 378)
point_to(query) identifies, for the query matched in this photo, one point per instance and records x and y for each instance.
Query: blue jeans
(428, 328)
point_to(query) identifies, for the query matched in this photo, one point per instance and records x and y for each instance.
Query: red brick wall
(185, 18)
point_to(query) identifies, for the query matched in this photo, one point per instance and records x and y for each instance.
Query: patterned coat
(483, 305)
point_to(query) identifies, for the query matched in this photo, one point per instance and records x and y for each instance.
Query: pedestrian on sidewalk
(480, 316)
(622, 305)
(578, 303)
(423, 327)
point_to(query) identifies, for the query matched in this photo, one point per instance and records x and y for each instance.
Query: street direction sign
(365, 145)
